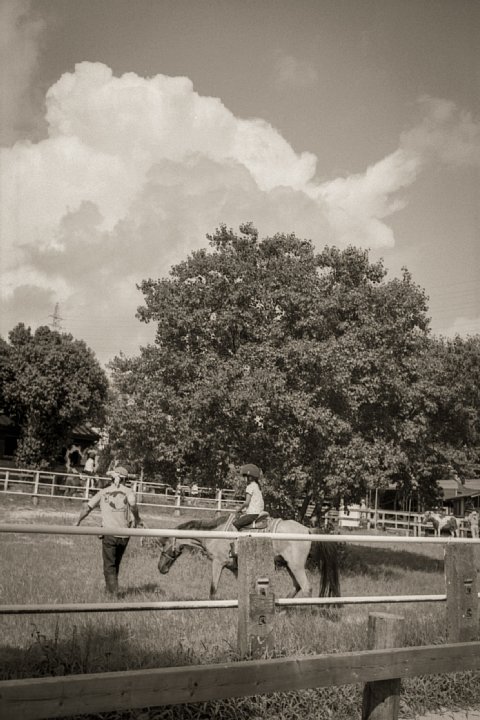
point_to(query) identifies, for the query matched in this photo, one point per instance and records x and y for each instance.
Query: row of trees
(312, 365)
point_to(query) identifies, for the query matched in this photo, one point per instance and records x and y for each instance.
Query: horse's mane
(208, 524)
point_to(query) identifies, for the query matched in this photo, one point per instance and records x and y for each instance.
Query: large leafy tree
(453, 397)
(50, 383)
(312, 365)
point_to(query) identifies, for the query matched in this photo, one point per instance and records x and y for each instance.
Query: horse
(293, 553)
(445, 523)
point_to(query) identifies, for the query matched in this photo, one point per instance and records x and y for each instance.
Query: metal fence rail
(230, 534)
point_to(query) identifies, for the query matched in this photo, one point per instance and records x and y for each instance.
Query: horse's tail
(326, 555)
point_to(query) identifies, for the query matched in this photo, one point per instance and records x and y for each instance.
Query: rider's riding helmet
(250, 471)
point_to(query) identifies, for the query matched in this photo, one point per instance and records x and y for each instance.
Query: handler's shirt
(256, 504)
(115, 503)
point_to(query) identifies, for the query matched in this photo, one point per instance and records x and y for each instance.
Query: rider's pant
(243, 520)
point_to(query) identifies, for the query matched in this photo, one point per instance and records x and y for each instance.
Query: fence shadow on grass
(132, 591)
(88, 649)
(375, 561)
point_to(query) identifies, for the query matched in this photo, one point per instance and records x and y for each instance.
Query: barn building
(83, 437)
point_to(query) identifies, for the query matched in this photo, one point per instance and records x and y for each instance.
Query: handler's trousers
(113, 549)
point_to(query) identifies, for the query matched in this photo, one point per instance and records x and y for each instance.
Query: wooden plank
(462, 593)
(381, 699)
(61, 696)
(256, 611)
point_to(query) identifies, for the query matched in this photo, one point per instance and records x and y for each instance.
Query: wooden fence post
(462, 593)
(178, 500)
(219, 502)
(35, 488)
(5, 484)
(381, 699)
(256, 600)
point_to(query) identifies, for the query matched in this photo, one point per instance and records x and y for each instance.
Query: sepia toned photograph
(239, 359)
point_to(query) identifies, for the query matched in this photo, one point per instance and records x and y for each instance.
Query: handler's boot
(111, 585)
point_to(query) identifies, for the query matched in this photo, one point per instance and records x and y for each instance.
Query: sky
(130, 130)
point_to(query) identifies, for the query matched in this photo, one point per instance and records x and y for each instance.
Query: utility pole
(55, 324)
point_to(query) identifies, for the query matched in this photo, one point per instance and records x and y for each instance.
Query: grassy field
(62, 569)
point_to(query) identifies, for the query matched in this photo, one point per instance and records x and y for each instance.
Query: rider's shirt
(115, 503)
(256, 504)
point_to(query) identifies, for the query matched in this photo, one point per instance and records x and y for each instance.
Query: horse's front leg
(217, 568)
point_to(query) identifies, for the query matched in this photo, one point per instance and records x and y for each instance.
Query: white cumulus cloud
(135, 171)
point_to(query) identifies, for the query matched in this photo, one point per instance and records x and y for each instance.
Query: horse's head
(169, 552)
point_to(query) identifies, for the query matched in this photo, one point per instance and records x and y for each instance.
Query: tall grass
(62, 569)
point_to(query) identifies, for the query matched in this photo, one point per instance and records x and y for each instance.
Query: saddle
(263, 523)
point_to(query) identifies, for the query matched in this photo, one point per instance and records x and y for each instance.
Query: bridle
(173, 552)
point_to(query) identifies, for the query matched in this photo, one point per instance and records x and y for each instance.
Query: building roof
(85, 432)
(79, 432)
(5, 421)
(464, 496)
(469, 488)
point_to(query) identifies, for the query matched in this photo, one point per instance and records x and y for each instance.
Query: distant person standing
(119, 510)
(194, 491)
(473, 519)
(89, 467)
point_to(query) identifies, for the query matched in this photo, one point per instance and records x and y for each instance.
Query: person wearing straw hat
(118, 507)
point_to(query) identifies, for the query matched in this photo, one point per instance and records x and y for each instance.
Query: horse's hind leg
(302, 587)
(217, 568)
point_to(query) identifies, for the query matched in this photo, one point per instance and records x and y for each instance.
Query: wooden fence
(80, 486)
(380, 667)
(41, 484)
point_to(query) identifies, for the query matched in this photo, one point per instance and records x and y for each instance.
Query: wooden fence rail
(101, 692)
(44, 484)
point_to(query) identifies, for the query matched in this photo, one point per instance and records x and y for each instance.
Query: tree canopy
(312, 365)
(49, 383)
